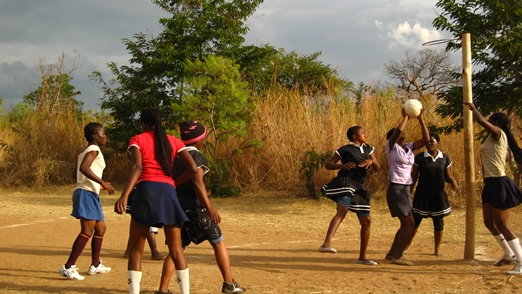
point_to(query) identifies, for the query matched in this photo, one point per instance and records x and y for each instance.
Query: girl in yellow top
(499, 193)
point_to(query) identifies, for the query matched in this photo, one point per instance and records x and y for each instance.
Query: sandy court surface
(272, 241)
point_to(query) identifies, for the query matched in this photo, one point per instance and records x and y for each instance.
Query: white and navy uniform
(430, 198)
(348, 187)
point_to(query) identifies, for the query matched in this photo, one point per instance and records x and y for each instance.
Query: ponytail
(152, 116)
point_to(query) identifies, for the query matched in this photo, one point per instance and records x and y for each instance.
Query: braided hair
(90, 130)
(503, 123)
(152, 117)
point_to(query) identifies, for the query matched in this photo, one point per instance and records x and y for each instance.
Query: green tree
(56, 93)
(215, 94)
(47, 131)
(155, 75)
(496, 43)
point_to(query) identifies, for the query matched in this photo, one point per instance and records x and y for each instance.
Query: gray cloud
(356, 37)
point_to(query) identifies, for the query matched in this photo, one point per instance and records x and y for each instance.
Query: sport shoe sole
(100, 269)
(71, 273)
(402, 261)
(517, 270)
(366, 262)
(327, 250)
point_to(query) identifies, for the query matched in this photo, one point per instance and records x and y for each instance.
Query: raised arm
(398, 130)
(425, 134)
(489, 127)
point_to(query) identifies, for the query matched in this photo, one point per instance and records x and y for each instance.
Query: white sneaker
(517, 270)
(71, 273)
(100, 269)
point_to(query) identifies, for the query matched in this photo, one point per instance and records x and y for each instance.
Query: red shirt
(151, 170)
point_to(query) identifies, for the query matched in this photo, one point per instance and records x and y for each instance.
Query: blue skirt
(87, 205)
(156, 204)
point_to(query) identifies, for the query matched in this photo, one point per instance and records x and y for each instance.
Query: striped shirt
(494, 154)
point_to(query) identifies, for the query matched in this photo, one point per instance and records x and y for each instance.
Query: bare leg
(138, 234)
(404, 236)
(365, 222)
(155, 254)
(411, 238)
(166, 274)
(127, 250)
(173, 236)
(334, 224)
(438, 240)
(223, 261)
(393, 248)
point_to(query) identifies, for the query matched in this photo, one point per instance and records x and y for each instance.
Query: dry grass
(44, 147)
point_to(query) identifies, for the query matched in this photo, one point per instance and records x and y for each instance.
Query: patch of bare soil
(272, 240)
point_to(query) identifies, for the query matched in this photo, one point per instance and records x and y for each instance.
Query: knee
(100, 229)
(365, 222)
(342, 211)
(438, 225)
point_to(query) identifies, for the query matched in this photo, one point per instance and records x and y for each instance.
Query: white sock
(183, 281)
(515, 246)
(134, 281)
(504, 244)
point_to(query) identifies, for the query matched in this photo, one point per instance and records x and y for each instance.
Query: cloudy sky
(355, 36)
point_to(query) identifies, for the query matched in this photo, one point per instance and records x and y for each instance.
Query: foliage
(294, 71)
(155, 75)
(310, 163)
(426, 72)
(496, 33)
(45, 132)
(215, 95)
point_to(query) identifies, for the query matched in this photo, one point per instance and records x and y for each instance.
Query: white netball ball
(412, 108)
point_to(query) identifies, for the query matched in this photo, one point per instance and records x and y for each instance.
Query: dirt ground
(272, 240)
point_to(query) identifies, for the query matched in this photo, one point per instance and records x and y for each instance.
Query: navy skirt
(156, 204)
(427, 204)
(87, 205)
(501, 192)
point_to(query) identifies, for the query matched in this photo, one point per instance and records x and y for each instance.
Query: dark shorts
(501, 192)
(399, 200)
(349, 193)
(200, 228)
(87, 205)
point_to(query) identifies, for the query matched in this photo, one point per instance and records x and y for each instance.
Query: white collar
(361, 147)
(427, 154)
